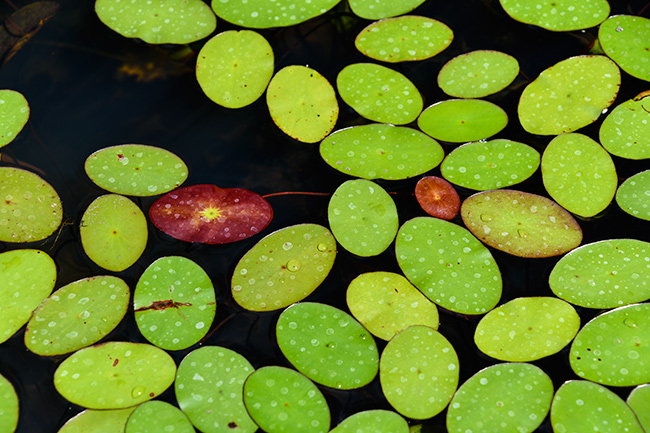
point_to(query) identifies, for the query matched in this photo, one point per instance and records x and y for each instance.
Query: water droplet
(322, 247)
(486, 217)
(630, 323)
(293, 265)
(522, 234)
(137, 391)
(339, 385)
(331, 345)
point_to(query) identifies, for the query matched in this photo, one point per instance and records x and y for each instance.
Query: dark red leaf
(437, 197)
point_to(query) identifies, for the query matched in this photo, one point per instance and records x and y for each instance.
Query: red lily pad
(211, 215)
(437, 197)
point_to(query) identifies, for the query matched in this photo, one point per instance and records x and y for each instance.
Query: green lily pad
(625, 132)
(113, 232)
(156, 417)
(174, 303)
(136, 169)
(284, 267)
(437, 197)
(14, 112)
(418, 372)
(27, 277)
(490, 165)
(171, 22)
(502, 397)
(449, 265)
(569, 95)
(9, 408)
(460, 120)
(381, 152)
(281, 400)
(521, 223)
(379, 93)
(580, 406)
(31, 209)
(612, 348)
(477, 74)
(372, 421)
(98, 421)
(234, 67)
(363, 217)
(209, 389)
(558, 15)
(639, 402)
(379, 9)
(633, 196)
(526, 329)
(626, 40)
(77, 315)
(385, 303)
(262, 14)
(114, 375)
(579, 174)
(604, 274)
(302, 103)
(406, 38)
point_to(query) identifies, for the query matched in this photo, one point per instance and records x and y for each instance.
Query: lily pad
(569, 95)
(490, 165)
(9, 408)
(136, 169)
(449, 265)
(327, 345)
(14, 112)
(372, 421)
(77, 315)
(418, 372)
(626, 40)
(625, 132)
(460, 120)
(633, 196)
(98, 421)
(406, 38)
(284, 267)
(379, 9)
(174, 303)
(437, 197)
(379, 93)
(27, 277)
(639, 402)
(171, 22)
(604, 274)
(477, 74)
(381, 152)
(579, 174)
(211, 215)
(234, 67)
(114, 375)
(363, 217)
(156, 417)
(558, 15)
(281, 400)
(612, 348)
(302, 103)
(262, 14)
(209, 389)
(113, 232)
(521, 223)
(503, 397)
(526, 329)
(385, 303)
(30, 210)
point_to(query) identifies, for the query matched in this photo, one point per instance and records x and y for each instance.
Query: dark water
(81, 102)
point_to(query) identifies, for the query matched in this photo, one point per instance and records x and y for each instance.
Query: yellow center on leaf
(210, 213)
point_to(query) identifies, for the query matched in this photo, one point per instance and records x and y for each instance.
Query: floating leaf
(136, 169)
(373, 421)
(77, 315)
(234, 67)
(449, 265)
(639, 402)
(490, 165)
(174, 303)
(503, 397)
(211, 215)
(477, 74)
(327, 345)
(437, 197)
(611, 349)
(385, 303)
(363, 217)
(281, 400)
(459, 120)
(569, 95)
(284, 267)
(558, 15)
(27, 277)
(378, 9)
(113, 232)
(418, 372)
(526, 329)
(626, 40)
(262, 14)
(98, 421)
(8, 406)
(14, 112)
(579, 174)
(156, 417)
(30, 210)
(604, 274)
(625, 132)
(521, 223)
(379, 93)
(381, 152)
(302, 103)
(209, 389)
(633, 196)
(406, 38)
